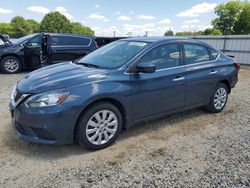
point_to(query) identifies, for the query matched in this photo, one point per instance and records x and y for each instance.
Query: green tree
(242, 25)
(78, 28)
(32, 26)
(19, 26)
(211, 31)
(169, 33)
(6, 28)
(55, 22)
(228, 14)
(216, 32)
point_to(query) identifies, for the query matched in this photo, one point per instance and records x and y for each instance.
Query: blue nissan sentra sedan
(121, 84)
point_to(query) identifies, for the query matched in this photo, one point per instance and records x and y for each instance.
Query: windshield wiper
(87, 64)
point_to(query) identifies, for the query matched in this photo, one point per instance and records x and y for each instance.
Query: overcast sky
(122, 16)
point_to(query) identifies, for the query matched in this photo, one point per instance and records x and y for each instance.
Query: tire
(103, 132)
(10, 65)
(218, 99)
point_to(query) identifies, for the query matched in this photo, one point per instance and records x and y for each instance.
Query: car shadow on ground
(51, 152)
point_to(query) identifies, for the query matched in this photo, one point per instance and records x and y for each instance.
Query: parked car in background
(101, 41)
(118, 85)
(31, 51)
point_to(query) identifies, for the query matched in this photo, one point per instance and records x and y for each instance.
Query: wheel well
(116, 103)
(13, 55)
(226, 82)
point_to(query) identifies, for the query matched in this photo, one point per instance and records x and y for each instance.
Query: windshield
(23, 39)
(113, 55)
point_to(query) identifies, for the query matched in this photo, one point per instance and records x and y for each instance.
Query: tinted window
(67, 40)
(58, 40)
(36, 41)
(165, 56)
(195, 53)
(214, 54)
(78, 41)
(113, 55)
(23, 39)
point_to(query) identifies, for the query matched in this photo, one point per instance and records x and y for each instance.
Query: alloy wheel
(11, 65)
(101, 127)
(220, 98)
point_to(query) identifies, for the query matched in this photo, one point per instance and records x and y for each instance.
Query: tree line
(233, 18)
(53, 22)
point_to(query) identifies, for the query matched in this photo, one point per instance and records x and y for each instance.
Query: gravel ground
(190, 149)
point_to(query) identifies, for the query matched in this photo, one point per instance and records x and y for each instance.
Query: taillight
(237, 66)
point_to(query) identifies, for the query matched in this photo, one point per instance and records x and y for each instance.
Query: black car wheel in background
(10, 64)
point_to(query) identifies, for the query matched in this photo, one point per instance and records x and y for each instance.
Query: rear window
(68, 40)
(214, 53)
(195, 53)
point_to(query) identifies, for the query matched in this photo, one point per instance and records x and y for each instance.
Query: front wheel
(99, 126)
(218, 99)
(10, 65)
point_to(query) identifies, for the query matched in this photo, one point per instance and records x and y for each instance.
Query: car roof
(167, 39)
(160, 39)
(66, 34)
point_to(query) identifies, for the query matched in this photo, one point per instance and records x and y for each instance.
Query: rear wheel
(218, 99)
(99, 126)
(10, 64)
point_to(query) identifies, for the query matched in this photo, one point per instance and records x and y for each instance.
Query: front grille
(17, 96)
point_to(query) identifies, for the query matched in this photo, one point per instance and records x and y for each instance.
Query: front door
(33, 52)
(163, 91)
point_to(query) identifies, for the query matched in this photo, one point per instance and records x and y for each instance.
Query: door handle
(213, 72)
(178, 79)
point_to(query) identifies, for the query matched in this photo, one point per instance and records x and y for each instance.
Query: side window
(214, 53)
(36, 41)
(68, 40)
(78, 41)
(165, 56)
(195, 53)
(58, 40)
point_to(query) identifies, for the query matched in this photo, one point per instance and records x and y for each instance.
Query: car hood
(5, 45)
(59, 76)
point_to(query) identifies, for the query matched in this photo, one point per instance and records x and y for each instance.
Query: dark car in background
(32, 51)
(101, 41)
(123, 83)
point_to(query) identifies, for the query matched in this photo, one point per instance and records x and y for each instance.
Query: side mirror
(146, 68)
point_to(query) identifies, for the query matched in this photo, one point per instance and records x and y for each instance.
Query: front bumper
(45, 125)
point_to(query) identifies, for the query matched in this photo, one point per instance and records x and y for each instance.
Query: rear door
(33, 51)
(162, 91)
(68, 48)
(201, 73)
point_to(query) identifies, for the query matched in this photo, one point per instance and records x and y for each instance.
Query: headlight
(46, 99)
(13, 93)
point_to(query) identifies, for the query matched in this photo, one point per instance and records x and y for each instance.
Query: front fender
(83, 96)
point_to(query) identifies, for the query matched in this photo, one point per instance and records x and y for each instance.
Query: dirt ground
(190, 149)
